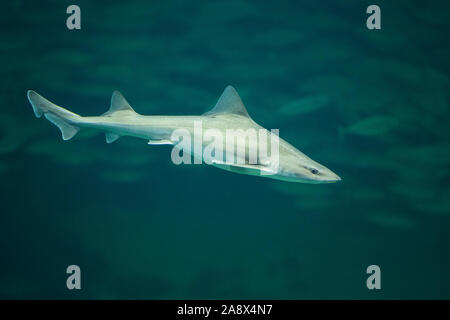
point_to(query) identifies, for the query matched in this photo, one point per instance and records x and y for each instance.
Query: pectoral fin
(160, 142)
(250, 169)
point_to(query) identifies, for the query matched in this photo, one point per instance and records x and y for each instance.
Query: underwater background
(372, 105)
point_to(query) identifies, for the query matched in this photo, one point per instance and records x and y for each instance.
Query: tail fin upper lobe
(60, 117)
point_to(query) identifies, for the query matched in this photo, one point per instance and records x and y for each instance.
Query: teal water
(372, 105)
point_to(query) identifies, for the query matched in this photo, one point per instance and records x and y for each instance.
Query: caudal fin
(60, 117)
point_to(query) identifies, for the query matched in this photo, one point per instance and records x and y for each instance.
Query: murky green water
(371, 105)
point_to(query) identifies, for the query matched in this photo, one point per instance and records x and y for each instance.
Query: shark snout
(328, 176)
(335, 177)
(311, 172)
(318, 173)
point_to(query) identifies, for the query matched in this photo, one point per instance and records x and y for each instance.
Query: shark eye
(314, 171)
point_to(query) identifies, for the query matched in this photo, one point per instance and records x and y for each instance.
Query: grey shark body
(228, 113)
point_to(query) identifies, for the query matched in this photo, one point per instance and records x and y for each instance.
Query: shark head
(306, 173)
(297, 167)
(290, 164)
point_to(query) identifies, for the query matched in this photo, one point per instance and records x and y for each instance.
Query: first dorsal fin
(229, 103)
(118, 103)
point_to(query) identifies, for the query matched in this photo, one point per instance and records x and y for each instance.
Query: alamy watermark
(232, 147)
(374, 20)
(74, 20)
(374, 280)
(74, 280)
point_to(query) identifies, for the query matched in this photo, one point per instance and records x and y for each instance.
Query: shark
(228, 113)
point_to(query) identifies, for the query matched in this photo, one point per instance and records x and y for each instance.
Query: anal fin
(111, 137)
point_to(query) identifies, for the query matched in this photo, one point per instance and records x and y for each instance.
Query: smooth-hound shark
(228, 113)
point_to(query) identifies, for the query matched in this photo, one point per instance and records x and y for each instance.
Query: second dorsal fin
(229, 103)
(118, 103)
